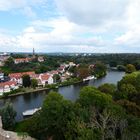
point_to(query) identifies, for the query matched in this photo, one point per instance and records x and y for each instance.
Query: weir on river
(35, 100)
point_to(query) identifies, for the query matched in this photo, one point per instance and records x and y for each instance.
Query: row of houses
(28, 59)
(15, 79)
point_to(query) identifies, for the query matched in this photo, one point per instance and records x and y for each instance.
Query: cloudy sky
(70, 25)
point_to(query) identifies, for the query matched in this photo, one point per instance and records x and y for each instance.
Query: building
(22, 60)
(43, 79)
(37, 77)
(53, 72)
(92, 66)
(61, 69)
(8, 86)
(46, 79)
(1, 76)
(17, 77)
(41, 59)
(71, 64)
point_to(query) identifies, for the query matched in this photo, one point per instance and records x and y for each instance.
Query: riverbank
(23, 91)
(35, 100)
(26, 92)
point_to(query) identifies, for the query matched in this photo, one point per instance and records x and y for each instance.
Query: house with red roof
(22, 60)
(8, 86)
(61, 69)
(17, 77)
(46, 79)
(53, 72)
(43, 79)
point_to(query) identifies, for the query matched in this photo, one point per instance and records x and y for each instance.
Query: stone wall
(8, 135)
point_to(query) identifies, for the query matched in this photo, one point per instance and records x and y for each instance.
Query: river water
(34, 100)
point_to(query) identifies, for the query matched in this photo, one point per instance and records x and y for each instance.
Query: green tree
(130, 68)
(56, 78)
(100, 70)
(107, 122)
(137, 84)
(54, 109)
(34, 83)
(113, 63)
(8, 116)
(130, 107)
(82, 72)
(121, 68)
(128, 79)
(9, 62)
(108, 88)
(137, 64)
(129, 89)
(26, 80)
(90, 96)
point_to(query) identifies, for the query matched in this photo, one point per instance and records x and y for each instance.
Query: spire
(33, 52)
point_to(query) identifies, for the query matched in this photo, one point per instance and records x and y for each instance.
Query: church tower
(33, 53)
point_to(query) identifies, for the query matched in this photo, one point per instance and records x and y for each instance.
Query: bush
(13, 92)
(52, 86)
(70, 82)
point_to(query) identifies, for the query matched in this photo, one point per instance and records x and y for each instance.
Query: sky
(92, 26)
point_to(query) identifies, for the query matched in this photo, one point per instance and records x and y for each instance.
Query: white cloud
(27, 11)
(93, 12)
(24, 6)
(86, 25)
(62, 33)
(63, 36)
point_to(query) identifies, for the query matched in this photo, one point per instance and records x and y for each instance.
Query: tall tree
(108, 88)
(26, 80)
(8, 116)
(130, 68)
(56, 78)
(100, 70)
(82, 72)
(106, 122)
(34, 83)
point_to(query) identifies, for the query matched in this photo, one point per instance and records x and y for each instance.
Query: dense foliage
(53, 62)
(107, 113)
(94, 116)
(26, 81)
(8, 116)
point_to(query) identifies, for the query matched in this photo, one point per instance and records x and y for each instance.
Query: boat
(89, 78)
(30, 112)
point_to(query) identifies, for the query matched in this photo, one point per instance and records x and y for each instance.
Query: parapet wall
(8, 135)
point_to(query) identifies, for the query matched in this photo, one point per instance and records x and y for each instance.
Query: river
(34, 100)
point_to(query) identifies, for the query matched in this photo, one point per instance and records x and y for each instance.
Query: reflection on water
(33, 100)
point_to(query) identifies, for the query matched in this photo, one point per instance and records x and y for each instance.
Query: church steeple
(33, 53)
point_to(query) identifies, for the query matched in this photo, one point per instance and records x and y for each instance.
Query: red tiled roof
(9, 83)
(23, 59)
(53, 72)
(61, 67)
(35, 76)
(45, 77)
(19, 75)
